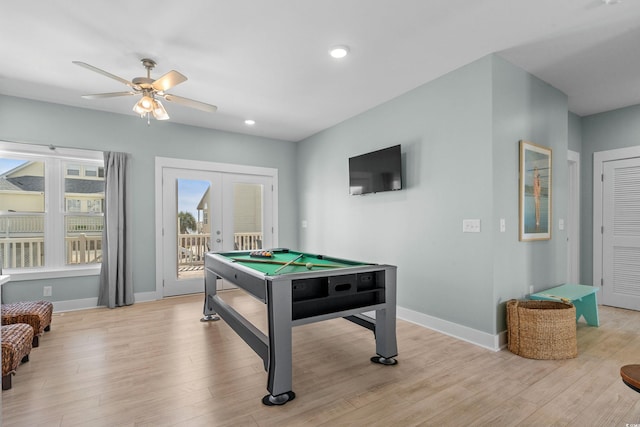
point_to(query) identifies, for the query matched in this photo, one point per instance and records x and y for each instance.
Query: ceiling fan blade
(190, 103)
(107, 95)
(104, 73)
(169, 80)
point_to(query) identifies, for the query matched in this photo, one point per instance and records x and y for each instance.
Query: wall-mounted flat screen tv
(375, 172)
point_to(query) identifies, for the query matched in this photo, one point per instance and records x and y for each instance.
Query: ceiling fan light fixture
(149, 89)
(339, 51)
(145, 105)
(158, 111)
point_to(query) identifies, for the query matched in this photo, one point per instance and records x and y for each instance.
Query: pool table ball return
(300, 288)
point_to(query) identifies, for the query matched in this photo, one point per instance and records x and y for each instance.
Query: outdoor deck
(18, 250)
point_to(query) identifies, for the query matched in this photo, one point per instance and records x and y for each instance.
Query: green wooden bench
(581, 296)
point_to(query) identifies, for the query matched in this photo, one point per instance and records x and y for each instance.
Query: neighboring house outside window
(94, 205)
(73, 205)
(51, 214)
(73, 170)
(90, 170)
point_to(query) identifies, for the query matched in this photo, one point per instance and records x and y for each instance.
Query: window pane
(247, 216)
(83, 194)
(83, 238)
(21, 213)
(84, 200)
(193, 229)
(21, 185)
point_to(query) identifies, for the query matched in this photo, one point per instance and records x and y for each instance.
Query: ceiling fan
(150, 90)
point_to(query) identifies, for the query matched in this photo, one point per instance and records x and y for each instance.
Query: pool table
(300, 288)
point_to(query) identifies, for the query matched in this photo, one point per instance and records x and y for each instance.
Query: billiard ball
(309, 266)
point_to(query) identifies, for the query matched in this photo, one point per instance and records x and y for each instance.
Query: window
(94, 205)
(73, 205)
(73, 170)
(90, 170)
(50, 211)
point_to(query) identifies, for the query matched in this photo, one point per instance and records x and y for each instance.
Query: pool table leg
(386, 344)
(210, 283)
(279, 383)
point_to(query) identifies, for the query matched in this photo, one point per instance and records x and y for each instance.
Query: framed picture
(535, 192)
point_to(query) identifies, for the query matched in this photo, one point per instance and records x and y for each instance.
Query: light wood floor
(156, 364)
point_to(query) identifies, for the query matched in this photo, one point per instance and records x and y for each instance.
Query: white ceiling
(267, 60)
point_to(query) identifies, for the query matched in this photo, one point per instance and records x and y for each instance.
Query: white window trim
(55, 264)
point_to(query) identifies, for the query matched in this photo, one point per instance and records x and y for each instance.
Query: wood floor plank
(156, 364)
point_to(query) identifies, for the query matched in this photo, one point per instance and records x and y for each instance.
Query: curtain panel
(116, 279)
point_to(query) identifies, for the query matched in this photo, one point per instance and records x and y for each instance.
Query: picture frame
(535, 192)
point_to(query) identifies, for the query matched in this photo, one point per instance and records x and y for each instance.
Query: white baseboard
(83, 304)
(75, 304)
(464, 333)
(147, 296)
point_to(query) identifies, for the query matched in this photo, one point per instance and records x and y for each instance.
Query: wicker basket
(542, 329)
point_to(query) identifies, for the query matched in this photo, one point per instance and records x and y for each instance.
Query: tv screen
(376, 171)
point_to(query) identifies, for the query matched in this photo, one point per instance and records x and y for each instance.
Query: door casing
(599, 159)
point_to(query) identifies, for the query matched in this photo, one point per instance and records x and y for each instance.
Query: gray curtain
(116, 280)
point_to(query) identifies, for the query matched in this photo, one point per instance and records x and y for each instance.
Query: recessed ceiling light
(610, 2)
(339, 51)
(249, 122)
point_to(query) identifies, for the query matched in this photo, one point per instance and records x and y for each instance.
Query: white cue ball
(309, 266)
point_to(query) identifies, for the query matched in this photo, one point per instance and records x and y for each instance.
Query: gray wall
(28, 121)
(575, 133)
(527, 108)
(600, 132)
(460, 137)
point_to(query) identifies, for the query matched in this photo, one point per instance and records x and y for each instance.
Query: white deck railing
(247, 241)
(21, 253)
(193, 247)
(24, 252)
(83, 249)
(11, 224)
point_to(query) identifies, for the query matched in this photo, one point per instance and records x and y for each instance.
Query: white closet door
(621, 234)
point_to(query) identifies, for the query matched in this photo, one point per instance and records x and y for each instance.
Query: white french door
(204, 207)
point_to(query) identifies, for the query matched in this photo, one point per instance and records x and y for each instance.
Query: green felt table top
(270, 266)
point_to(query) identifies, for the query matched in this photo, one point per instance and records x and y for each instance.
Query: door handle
(218, 240)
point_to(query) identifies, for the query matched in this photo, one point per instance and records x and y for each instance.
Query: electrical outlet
(470, 225)
(46, 291)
